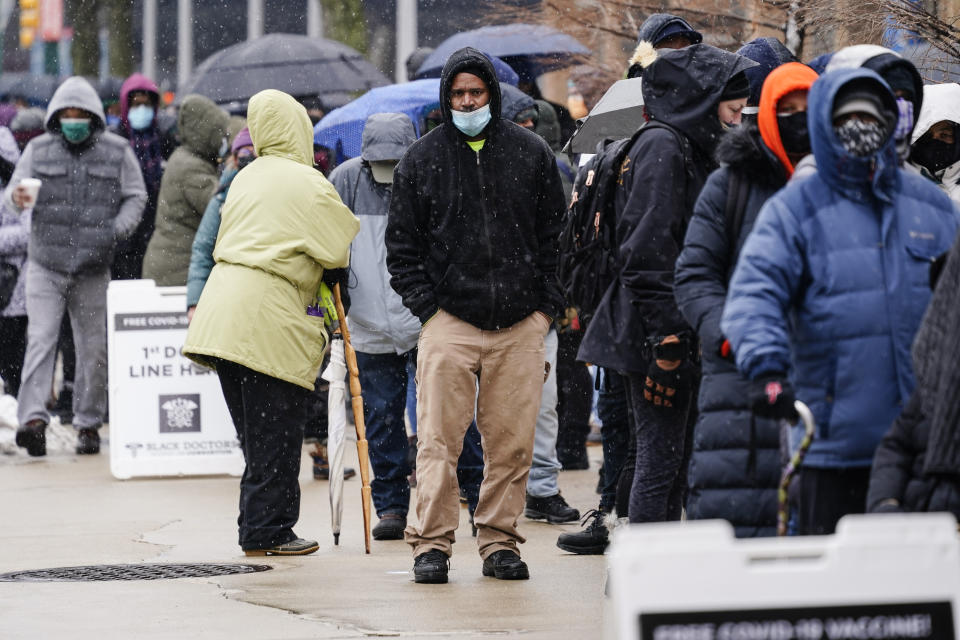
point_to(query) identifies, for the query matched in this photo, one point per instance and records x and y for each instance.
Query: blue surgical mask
(140, 117)
(113, 121)
(471, 123)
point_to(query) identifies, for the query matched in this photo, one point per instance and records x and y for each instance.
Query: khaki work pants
(460, 369)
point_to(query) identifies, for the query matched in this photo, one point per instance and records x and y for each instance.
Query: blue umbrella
(342, 129)
(530, 49)
(505, 73)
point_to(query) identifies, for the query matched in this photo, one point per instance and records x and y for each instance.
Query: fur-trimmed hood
(743, 150)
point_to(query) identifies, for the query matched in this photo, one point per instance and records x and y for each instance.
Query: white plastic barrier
(880, 577)
(167, 414)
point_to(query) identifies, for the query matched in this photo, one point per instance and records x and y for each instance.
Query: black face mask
(934, 155)
(794, 132)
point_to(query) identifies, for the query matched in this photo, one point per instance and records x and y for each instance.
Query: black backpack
(588, 245)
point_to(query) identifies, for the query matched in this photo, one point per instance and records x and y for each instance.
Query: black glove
(666, 389)
(772, 397)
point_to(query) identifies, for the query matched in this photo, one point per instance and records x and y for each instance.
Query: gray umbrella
(297, 64)
(618, 114)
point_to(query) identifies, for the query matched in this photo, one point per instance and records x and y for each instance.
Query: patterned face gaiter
(860, 138)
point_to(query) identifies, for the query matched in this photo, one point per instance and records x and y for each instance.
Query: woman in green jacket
(258, 322)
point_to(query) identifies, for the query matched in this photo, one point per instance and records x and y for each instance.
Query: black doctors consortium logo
(180, 413)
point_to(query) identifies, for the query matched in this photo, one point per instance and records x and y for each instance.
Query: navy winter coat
(735, 466)
(833, 282)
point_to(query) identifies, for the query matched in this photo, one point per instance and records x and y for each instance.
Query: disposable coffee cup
(32, 186)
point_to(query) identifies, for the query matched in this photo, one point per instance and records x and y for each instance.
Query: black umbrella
(530, 49)
(36, 90)
(618, 114)
(297, 64)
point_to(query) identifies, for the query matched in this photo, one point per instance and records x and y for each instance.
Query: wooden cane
(356, 402)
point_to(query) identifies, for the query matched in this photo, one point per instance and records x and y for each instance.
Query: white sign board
(167, 414)
(880, 577)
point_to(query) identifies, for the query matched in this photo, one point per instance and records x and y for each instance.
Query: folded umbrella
(335, 374)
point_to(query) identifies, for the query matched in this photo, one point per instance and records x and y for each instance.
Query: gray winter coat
(92, 194)
(379, 323)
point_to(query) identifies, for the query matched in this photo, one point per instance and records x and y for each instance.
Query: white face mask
(471, 123)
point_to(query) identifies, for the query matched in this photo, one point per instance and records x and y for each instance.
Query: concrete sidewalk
(67, 510)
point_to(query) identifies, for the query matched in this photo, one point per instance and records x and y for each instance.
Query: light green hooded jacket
(282, 225)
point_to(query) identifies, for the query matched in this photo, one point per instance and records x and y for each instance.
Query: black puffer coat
(476, 233)
(898, 472)
(735, 467)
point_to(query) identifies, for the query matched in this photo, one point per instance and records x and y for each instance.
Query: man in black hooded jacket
(638, 329)
(472, 248)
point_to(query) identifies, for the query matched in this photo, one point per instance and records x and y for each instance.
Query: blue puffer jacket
(834, 281)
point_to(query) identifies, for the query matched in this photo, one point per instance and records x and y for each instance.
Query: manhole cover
(103, 572)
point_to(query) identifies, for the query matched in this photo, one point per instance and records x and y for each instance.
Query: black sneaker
(554, 509)
(431, 567)
(592, 541)
(390, 527)
(88, 441)
(505, 565)
(33, 437)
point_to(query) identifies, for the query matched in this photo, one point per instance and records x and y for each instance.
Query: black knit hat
(737, 87)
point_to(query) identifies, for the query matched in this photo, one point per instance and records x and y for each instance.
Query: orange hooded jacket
(786, 78)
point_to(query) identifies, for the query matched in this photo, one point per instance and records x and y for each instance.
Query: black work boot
(321, 467)
(431, 567)
(32, 436)
(390, 527)
(88, 441)
(505, 565)
(592, 541)
(553, 509)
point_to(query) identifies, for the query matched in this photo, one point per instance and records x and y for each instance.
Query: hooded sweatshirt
(282, 225)
(790, 77)
(188, 183)
(768, 53)
(832, 282)
(147, 143)
(661, 178)
(92, 193)
(379, 323)
(476, 233)
(941, 102)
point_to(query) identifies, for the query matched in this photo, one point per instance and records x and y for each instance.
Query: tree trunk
(120, 22)
(86, 41)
